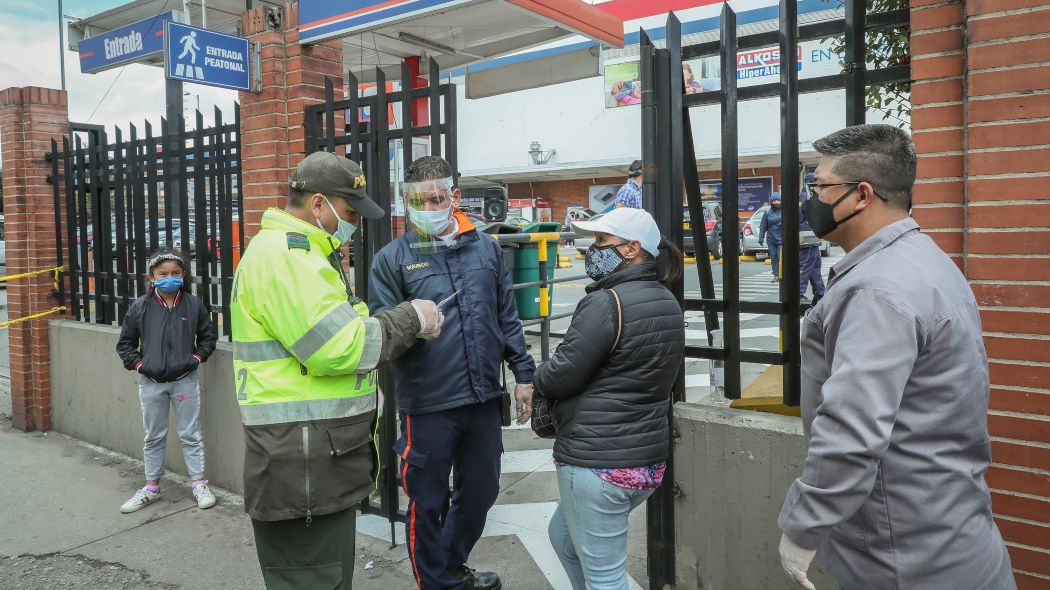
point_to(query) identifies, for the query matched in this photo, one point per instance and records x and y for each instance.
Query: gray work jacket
(895, 411)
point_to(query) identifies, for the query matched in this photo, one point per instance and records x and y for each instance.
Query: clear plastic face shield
(430, 205)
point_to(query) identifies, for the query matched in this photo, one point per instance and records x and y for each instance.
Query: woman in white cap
(610, 385)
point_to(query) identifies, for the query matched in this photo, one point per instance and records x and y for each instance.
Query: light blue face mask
(344, 230)
(431, 223)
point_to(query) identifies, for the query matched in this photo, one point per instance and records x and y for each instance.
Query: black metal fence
(671, 171)
(122, 197)
(360, 127)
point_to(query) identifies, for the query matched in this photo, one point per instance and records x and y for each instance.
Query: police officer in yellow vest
(305, 354)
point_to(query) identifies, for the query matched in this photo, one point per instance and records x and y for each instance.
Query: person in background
(610, 381)
(449, 391)
(167, 335)
(630, 194)
(692, 86)
(769, 230)
(305, 350)
(810, 262)
(894, 392)
(567, 227)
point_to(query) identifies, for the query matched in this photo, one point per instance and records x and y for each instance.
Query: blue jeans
(589, 528)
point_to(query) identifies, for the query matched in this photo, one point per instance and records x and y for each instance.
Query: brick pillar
(29, 118)
(272, 132)
(981, 122)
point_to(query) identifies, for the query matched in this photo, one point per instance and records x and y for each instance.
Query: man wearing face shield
(448, 389)
(894, 392)
(304, 356)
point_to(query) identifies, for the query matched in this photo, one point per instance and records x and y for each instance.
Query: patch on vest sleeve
(298, 240)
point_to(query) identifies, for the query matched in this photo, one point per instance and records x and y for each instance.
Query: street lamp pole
(61, 45)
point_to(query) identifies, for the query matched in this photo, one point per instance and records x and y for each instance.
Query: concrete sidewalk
(61, 526)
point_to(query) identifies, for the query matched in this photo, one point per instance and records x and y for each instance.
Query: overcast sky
(29, 44)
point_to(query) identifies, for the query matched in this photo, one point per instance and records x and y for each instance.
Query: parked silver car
(749, 245)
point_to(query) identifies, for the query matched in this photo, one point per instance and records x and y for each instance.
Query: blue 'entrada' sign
(127, 44)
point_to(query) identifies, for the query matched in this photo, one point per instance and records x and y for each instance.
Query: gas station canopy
(382, 33)
(455, 32)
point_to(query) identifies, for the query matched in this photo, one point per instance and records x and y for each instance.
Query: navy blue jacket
(481, 330)
(770, 226)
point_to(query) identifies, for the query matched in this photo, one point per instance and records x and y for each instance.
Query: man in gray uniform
(894, 392)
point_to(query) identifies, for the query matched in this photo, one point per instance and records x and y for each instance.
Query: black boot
(475, 580)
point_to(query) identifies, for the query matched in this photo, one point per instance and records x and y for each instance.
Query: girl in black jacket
(610, 381)
(167, 334)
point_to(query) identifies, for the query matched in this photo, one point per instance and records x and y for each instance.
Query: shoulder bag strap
(618, 314)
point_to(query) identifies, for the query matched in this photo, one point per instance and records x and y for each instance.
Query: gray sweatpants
(155, 398)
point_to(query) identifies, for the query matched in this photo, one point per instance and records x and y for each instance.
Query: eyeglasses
(812, 186)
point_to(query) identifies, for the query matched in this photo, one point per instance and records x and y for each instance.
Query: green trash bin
(527, 270)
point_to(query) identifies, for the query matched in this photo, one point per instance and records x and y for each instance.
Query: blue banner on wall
(125, 45)
(752, 193)
(206, 57)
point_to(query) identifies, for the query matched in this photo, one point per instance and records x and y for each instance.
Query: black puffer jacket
(611, 410)
(166, 344)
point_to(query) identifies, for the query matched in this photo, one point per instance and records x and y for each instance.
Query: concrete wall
(96, 400)
(734, 468)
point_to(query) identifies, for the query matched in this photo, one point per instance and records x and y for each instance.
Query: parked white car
(749, 245)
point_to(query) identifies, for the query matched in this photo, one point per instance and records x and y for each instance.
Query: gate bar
(730, 205)
(789, 167)
(855, 62)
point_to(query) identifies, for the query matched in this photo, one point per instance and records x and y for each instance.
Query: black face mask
(775, 206)
(821, 216)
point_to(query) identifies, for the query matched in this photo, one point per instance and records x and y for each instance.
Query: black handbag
(542, 418)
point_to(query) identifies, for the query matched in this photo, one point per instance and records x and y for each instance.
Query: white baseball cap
(628, 224)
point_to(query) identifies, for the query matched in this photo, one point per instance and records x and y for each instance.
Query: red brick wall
(981, 123)
(29, 118)
(272, 132)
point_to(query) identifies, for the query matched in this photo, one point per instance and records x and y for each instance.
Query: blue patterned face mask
(602, 261)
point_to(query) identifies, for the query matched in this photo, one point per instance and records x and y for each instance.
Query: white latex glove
(430, 318)
(796, 560)
(523, 399)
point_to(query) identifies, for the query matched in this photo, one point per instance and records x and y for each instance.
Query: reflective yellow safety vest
(303, 348)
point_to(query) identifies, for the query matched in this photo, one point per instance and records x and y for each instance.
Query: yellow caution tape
(10, 323)
(55, 270)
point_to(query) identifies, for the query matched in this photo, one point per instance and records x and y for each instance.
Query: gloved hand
(796, 559)
(523, 398)
(430, 318)
(761, 242)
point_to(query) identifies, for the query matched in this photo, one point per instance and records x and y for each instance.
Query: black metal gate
(118, 202)
(671, 171)
(370, 142)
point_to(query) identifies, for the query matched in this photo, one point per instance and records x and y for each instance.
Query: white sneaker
(140, 500)
(205, 499)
